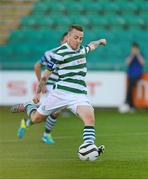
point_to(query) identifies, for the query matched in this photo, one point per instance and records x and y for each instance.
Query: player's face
(135, 50)
(75, 38)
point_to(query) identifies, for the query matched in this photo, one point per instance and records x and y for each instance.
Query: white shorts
(58, 99)
(44, 95)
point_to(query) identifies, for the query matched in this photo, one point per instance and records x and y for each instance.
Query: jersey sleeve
(51, 62)
(87, 49)
(43, 61)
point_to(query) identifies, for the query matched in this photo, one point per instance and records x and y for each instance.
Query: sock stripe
(89, 127)
(88, 138)
(89, 135)
(86, 129)
(50, 123)
(52, 119)
(89, 132)
(92, 130)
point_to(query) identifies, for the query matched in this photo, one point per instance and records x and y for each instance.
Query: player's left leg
(49, 125)
(80, 106)
(86, 114)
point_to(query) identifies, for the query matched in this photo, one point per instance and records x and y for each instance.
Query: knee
(36, 118)
(55, 115)
(89, 119)
(87, 115)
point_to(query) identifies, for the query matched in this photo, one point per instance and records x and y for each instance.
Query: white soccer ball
(124, 108)
(88, 152)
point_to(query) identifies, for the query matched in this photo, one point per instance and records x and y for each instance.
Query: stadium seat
(116, 20)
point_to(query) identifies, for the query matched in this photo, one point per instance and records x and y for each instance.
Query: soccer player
(51, 119)
(70, 90)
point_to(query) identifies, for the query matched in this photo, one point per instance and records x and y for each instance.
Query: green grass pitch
(125, 137)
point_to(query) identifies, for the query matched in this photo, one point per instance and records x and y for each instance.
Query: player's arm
(43, 80)
(41, 86)
(140, 59)
(94, 44)
(38, 65)
(37, 70)
(129, 59)
(50, 65)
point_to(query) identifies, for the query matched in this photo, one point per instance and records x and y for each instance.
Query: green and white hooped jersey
(70, 66)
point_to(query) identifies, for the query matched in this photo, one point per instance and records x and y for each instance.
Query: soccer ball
(88, 151)
(124, 108)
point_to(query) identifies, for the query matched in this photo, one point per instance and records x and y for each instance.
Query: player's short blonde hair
(76, 26)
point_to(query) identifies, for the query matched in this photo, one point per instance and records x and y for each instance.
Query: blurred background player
(51, 120)
(135, 63)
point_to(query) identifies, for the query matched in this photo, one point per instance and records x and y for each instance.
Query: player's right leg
(17, 108)
(35, 117)
(51, 104)
(25, 123)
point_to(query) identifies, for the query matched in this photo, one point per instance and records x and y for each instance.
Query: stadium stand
(36, 26)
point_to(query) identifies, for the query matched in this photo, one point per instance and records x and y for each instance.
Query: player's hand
(36, 98)
(94, 44)
(102, 42)
(44, 90)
